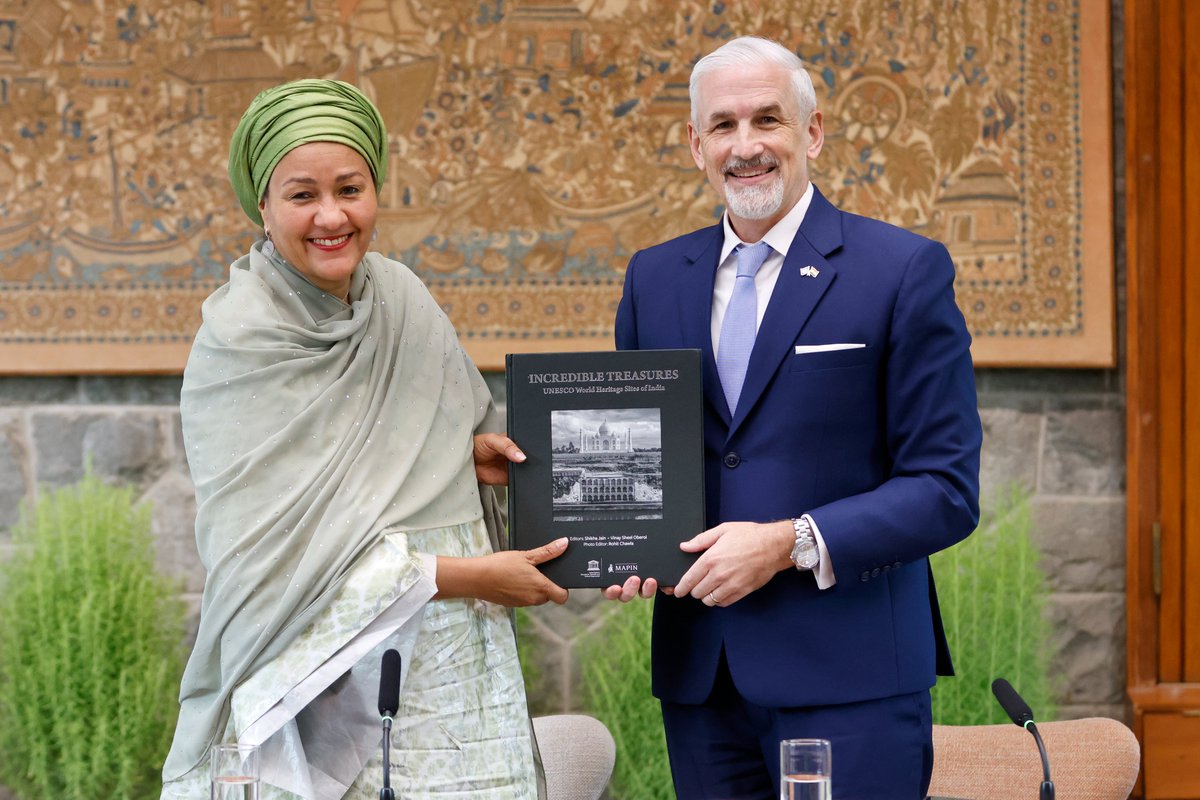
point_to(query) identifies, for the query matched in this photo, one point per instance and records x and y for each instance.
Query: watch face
(808, 559)
(805, 555)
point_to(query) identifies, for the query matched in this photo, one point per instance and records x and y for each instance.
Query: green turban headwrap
(284, 117)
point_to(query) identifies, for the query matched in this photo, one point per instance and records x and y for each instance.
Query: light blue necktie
(740, 323)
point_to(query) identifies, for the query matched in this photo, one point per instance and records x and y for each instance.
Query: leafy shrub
(616, 689)
(539, 690)
(91, 649)
(993, 595)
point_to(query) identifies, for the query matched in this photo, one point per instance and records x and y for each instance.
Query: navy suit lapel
(695, 303)
(793, 300)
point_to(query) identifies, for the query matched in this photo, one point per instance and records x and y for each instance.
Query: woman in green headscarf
(337, 434)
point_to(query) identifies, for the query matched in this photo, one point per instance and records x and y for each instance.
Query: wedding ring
(714, 600)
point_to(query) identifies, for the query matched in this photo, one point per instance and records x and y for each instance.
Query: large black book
(615, 462)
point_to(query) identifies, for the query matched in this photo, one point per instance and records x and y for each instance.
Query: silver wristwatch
(804, 552)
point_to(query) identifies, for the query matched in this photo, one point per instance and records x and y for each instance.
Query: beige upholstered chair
(1090, 759)
(578, 755)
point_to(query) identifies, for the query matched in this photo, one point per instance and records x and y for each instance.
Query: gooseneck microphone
(1012, 703)
(389, 703)
(1018, 711)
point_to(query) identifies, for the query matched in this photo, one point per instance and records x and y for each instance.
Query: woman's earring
(374, 234)
(268, 248)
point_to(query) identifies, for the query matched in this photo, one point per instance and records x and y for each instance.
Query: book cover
(615, 462)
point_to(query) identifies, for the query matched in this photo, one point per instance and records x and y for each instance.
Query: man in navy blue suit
(841, 449)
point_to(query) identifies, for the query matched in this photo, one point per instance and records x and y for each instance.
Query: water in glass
(234, 787)
(805, 787)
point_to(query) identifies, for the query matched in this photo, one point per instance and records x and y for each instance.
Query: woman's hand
(492, 453)
(510, 578)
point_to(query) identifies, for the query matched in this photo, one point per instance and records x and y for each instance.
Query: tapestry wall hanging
(535, 145)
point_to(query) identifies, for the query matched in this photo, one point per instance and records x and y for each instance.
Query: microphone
(1012, 703)
(1021, 715)
(389, 703)
(389, 684)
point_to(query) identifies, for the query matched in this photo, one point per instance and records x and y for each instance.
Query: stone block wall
(1058, 433)
(127, 429)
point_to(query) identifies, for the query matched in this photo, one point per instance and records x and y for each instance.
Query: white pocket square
(801, 349)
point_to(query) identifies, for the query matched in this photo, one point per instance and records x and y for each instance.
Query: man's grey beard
(754, 202)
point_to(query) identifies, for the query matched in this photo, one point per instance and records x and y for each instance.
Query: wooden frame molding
(1162, 96)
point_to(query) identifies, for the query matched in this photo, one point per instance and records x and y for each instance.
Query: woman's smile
(333, 243)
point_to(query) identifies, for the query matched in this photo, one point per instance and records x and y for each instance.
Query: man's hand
(633, 587)
(492, 453)
(736, 558)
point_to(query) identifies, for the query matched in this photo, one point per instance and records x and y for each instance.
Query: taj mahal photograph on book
(606, 464)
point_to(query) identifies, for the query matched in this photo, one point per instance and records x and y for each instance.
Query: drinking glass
(234, 772)
(804, 769)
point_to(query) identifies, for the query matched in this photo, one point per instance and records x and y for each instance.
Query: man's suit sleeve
(625, 328)
(931, 498)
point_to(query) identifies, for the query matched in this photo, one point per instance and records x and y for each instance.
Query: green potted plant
(993, 596)
(91, 649)
(615, 665)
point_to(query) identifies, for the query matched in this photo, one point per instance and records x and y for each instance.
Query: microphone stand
(387, 793)
(1021, 715)
(1046, 792)
(389, 704)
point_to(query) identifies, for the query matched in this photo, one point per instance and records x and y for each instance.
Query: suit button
(732, 460)
(866, 576)
(875, 572)
(897, 565)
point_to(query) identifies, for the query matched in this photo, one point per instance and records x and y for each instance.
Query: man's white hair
(747, 51)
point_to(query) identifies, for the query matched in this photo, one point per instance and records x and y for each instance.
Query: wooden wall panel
(1162, 95)
(1190, 405)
